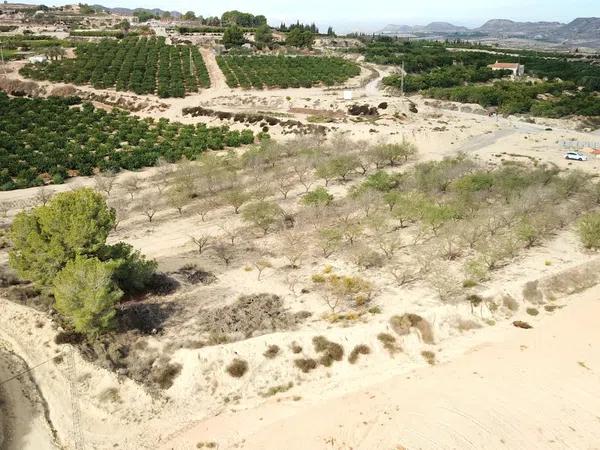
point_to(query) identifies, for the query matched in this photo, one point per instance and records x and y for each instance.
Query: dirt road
(217, 79)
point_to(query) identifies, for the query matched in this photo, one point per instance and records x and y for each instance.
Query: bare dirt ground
(512, 391)
(23, 423)
(489, 383)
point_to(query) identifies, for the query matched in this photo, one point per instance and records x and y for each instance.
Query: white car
(575, 156)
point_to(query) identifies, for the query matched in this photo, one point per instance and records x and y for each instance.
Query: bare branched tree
(105, 182)
(202, 241)
(262, 264)
(224, 251)
(149, 206)
(131, 185)
(42, 196)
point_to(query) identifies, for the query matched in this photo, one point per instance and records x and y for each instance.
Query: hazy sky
(372, 14)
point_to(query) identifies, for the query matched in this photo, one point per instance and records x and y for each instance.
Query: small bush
(374, 310)
(163, 373)
(589, 230)
(273, 390)
(389, 343)
(356, 351)
(69, 337)
(318, 278)
(469, 283)
(330, 351)
(532, 311)
(429, 356)
(306, 364)
(402, 325)
(237, 368)
(510, 303)
(110, 395)
(521, 324)
(271, 352)
(296, 348)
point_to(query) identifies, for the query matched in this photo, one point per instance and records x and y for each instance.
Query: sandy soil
(534, 389)
(23, 424)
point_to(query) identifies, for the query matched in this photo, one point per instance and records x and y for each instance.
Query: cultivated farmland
(41, 139)
(144, 66)
(284, 72)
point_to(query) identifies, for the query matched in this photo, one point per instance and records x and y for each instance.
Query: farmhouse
(37, 59)
(518, 70)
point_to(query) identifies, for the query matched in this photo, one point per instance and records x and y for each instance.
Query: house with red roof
(518, 70)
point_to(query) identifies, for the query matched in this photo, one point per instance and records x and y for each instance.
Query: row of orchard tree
(285, 71)
(140, 65)
(55, 138)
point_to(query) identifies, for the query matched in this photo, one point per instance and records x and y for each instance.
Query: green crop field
(141, 65)
(285, 71)
(55, 138)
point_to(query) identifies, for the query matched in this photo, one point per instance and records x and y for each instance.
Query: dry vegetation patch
(272, 352)
(329, 351)
(249, 316)
(402, 325)
(389, 343)
(306, 364)
(237, 368)
(357, 351)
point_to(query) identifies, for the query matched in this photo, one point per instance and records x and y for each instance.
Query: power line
(26, 371)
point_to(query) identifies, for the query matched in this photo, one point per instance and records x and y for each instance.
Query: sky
(372, 15)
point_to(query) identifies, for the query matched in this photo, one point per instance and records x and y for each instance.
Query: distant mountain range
(581, 29)
(130, 11)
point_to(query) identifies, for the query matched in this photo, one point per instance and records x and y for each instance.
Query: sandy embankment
(533, 389)
(23, 423)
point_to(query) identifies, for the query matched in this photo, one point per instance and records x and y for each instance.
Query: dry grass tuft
(272, 351)
(330, 351)
(358, 350)
(510, 303)
(402, 325)
(296, 348)
(163, 373)
(389, 343)
(429, 356)
(521, 324)
(306, 364)
(274, 390)
(237, 368)
(110, 394)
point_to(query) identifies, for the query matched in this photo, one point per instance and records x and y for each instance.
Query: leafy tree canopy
(85, 294)
(72, 224)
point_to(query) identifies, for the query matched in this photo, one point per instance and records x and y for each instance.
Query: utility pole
(76, 412)
(402, 80)
(2, 59)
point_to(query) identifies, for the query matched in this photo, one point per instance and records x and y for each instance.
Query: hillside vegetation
(568, 86)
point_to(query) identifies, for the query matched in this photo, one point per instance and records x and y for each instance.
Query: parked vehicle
(575, 156)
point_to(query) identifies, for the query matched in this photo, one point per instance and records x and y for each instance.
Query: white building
(518, 70)
(37, 59)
